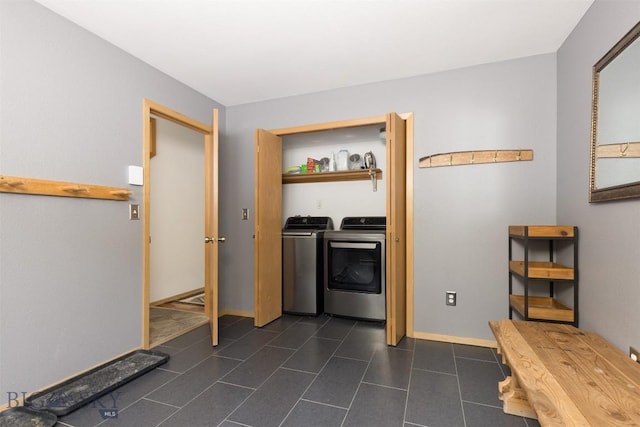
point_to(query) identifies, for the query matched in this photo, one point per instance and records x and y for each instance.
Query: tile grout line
(236, 385)
(455, 363)
(436, 372)
(483, 404)
(279, 367)
(267, 379)
(323, 404)
(219, 380)
(161, 403)
(390, 387)
(317, 374)
(361, 379)
(206, 388)
(499, 361)
(475, 359)
(143, 398)
(180, 374)
(406, 401)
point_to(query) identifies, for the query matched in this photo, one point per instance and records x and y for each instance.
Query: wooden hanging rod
(623, 149)
(45, 187)
(475, 157)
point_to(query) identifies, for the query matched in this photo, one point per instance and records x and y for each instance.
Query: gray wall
(461, 213)
(70, 269)
(610, 232)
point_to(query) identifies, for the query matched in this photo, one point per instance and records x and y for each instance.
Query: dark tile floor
(300, 371)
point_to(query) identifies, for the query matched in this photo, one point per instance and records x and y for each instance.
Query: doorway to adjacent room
(180, 220)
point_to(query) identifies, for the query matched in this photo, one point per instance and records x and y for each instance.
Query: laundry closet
(285, 188)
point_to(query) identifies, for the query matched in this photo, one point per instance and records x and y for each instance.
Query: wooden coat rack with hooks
(45, 187)
(475, 157)
(619, 150)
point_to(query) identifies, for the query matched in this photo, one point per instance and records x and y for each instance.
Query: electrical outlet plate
(245, 214)
(634, 354)
(451, 298)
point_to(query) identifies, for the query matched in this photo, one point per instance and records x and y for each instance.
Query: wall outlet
(634, 354)
(451, 298)
(245, 214)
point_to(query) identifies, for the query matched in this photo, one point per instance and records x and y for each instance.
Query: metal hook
(623, 153)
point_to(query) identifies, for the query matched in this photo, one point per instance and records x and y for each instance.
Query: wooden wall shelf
(475, 157)
(351, 175)
(45, 187)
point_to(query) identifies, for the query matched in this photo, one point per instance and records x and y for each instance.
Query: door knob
(213, 239)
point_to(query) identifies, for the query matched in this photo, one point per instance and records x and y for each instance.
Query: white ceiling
(240, 51)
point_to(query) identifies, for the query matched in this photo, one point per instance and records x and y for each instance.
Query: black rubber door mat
(70, 395)
(20, 416)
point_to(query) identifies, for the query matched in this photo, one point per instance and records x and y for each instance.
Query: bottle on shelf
(332, 162)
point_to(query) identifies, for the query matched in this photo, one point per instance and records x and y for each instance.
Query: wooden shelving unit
(537, 307)
(350, 175)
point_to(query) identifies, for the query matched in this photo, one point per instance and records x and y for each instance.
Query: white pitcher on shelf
(343, 160)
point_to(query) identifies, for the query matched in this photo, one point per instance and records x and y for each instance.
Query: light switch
(135, 175)
(134, 211)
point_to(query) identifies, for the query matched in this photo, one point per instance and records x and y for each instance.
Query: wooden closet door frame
(408, 312)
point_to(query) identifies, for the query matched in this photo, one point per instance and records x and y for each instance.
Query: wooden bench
(564, 376)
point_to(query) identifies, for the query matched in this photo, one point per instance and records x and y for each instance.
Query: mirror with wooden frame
(615, 122)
